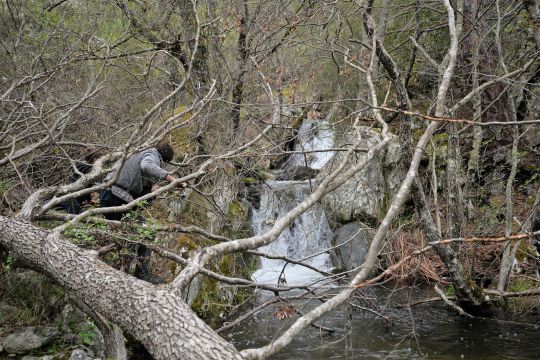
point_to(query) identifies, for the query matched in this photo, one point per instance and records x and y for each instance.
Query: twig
(451, 304)
(253, 311)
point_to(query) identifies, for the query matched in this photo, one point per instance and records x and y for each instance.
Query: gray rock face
(176, 203)
(532, 135)
(29, 339)
(352, 243)
(364, 196)
(46, 357)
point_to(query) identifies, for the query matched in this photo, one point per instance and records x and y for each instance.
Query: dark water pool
(427, 331)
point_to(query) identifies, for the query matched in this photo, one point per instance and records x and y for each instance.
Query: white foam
(306, 236)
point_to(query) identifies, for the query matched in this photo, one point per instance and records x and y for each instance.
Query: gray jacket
(141, 171)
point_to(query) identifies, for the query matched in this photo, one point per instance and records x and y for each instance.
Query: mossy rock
(237, 215)
(216, 302)
(196, 211)
(181, 139)
(440, 142)
(186, 241)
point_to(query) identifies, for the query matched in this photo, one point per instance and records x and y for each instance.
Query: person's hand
(94, 198)
(183, 185)
(154, 188)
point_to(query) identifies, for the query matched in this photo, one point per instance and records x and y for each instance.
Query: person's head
(166, 151)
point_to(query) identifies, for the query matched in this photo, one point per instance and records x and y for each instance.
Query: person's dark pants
(72, 206)
(107, 199)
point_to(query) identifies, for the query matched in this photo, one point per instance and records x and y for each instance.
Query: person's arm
(171, 178)
(150, 165)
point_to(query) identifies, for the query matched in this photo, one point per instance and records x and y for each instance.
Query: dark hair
(166, 151)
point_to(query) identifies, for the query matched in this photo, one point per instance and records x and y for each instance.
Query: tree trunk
(466, 290)
(455, 218)
(156, 317)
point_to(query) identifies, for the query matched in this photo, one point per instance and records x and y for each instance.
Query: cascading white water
(313, 135)
(307, 235)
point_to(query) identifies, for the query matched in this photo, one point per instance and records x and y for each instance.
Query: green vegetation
(519, 284)
(28, 299)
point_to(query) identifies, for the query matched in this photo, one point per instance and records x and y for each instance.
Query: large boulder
(350, 245)
(29, 339)
(365, 196)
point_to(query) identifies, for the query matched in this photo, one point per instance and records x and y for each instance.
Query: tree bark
(155, 316)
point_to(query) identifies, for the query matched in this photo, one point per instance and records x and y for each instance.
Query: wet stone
(79, 354)
(29, 339)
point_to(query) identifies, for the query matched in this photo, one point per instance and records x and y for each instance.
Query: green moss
(227, 265)
(438, 147)
(340, 218)
(252, 265)
(181, 139)
(3, 187)
(213, 306)
(236, 210)
(196, 211)
(298, 121)
(249, 180)
(217, 302)
(519, 284)
(204, 304)
(497, 201)
(476, 290)
(186, 241)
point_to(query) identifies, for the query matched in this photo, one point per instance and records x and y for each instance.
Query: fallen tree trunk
(155, 316)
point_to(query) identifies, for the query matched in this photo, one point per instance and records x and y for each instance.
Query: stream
(426, 331)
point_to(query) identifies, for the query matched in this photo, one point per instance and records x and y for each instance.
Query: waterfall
(307, 235)
(310, 233)
(313, 135)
